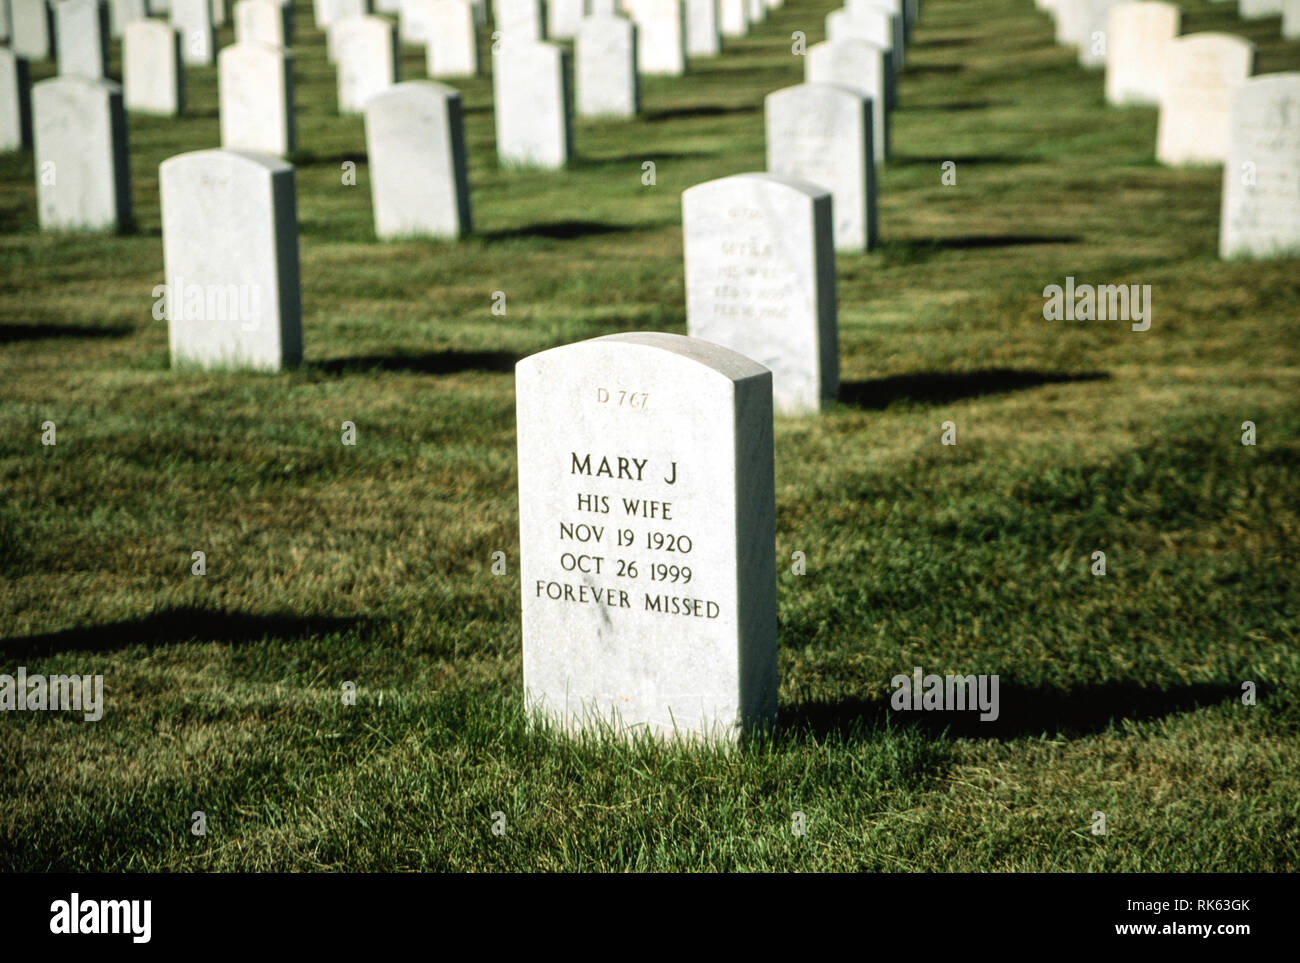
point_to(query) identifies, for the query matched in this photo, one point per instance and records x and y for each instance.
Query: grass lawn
(1119, 694)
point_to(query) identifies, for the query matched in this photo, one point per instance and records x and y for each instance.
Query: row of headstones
(1212, 109)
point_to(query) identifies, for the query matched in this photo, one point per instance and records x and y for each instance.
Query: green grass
(372, 563)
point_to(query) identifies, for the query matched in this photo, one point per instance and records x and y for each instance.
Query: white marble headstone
(605, 74)
(1139, 35)
(83, 171)
(1094, 49)
(1291, 19)
(760, 279)
(1200, 71)
(562, 17)
(530, 90)
(703, 29)
(329, 12)
(453, 40)
(81, 27)
(821, 133)
(230, 250)
(1261, 179)
(733, 17)
(365, 50)
(897, 19)
(262, 21)
(342, 10)
(122, 12)
(519, 20)
(647, 538)
(416, 21)
(255, 82)
(415, 142)
(860, 66)
(15, 102)
(153, 78)
(193, 18)
(1258, 9)
(660, 36)
(31, 25)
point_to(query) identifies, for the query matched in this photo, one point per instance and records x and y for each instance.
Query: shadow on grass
(942, 387)
(699, 110)
(976, 242)
(1022, 712)
(961, 160)
(13, 333)
(961, 105)
(437, 363)
(174, 626)
(557, 231)
(307, 159)
(916, 70)
(639, 158)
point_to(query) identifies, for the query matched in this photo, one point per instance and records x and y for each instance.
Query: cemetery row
(645, 460)
(1213, 107)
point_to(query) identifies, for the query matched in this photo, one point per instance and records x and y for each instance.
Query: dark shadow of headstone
(13, 333)
(1022, 711)
(940, 387)
(176, 626)
(437, 363)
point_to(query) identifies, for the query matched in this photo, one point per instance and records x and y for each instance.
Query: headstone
(152, 76)
(1291, 19)
(1139, 35)
(660, 36)
(341, 10)
(366, 53)
(604, 8)
(873, 26)
(230, 249)
(897, 19)
(1071, 22)
(218, 13)
(606, 71)
(453, 40)
(15, 102)
(520, 20)
(1258, 9)
(82, 30)
(530, 90)
(391, 7)
(415, 140)
(760, 279)
(31, 23)
(733, 17)
(416, 21)
(647, 565)
(756, 11)
(262, 21)
(1094, 48)
(193, 18)
(703, 34)
(562, 18)
(256, 96)
(862, 67)
(1201, 70)
(83, 171)
(1261, 180)
(329, 12)
(821, 133)
(122, 12)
